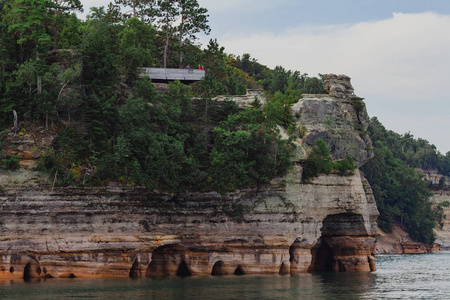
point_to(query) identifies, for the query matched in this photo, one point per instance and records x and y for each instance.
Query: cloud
(399, 65)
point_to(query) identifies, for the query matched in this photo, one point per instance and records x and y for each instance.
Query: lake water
(421, 276)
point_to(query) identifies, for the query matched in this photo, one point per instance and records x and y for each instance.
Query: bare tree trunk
(181, 41)
(15, 121)
(55, 34)
(39, 84)
(166, 46)
(54, 180)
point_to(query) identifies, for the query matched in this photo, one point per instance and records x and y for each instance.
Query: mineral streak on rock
(285, 227)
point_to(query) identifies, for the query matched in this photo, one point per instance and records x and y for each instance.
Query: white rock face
(245, 100)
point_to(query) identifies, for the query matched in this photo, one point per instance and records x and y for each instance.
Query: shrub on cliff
(346, 166)
(11, 163)
(320, 162)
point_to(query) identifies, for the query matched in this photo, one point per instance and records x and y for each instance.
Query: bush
(346, 166)
(318, 162)
(11, 163)
(358, 105)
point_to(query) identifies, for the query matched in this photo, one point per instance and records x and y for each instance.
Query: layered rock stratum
(285, 227)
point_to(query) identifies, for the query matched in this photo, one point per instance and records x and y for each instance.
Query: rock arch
(31, 271)
(32, 268)
(322, 257)
(219, 268)
(240, 270)
(168, 260)
(345, 245)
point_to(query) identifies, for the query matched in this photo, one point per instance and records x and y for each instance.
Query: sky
(397, 52)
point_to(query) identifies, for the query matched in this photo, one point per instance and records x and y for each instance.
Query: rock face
(339, 86)
(340, 120)
(399, 242)
(245, 100)
(285, 227)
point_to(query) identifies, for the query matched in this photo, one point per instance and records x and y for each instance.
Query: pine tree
(168, 13)
(194, 19)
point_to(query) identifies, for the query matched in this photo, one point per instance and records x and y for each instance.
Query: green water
(425, 276)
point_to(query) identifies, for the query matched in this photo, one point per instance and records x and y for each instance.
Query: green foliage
(150, 148)
(236, 85)
(120, 128)
(144, 10)
(194, 19)
(318, 162)
(416, 153)
(27, 20)
(70, 33)
(439, 212)
(247, 151)
(302, 131)
(358, 105)
(11, 163)
(136, 47)
(401, 193)
(346, 166)
(279, 111)
(100, 60)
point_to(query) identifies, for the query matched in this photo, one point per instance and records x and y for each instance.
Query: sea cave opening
(219, 268)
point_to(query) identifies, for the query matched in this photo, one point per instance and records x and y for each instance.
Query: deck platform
(166, 75)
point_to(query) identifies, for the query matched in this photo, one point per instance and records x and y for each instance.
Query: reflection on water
(398, 277)
(304, 286)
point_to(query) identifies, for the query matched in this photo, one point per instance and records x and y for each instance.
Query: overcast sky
(397, 52)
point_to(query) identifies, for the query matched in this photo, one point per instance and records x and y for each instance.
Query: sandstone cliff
(285, 227)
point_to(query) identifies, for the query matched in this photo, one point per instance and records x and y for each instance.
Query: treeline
(82, 77)
(402, 193)
(416, 153)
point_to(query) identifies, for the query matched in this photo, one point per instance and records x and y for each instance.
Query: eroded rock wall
(284, 227)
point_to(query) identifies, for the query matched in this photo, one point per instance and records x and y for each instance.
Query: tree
(194, 19)
(6, 43)
(145, 10)
(168, 13)
(401, 192)
(247, 150)
(318, 162)
(29, 20)
(99, 67)
(136, 47)
(70, 32)
(60, 7)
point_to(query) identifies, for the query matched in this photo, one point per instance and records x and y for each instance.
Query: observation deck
(166, 75)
